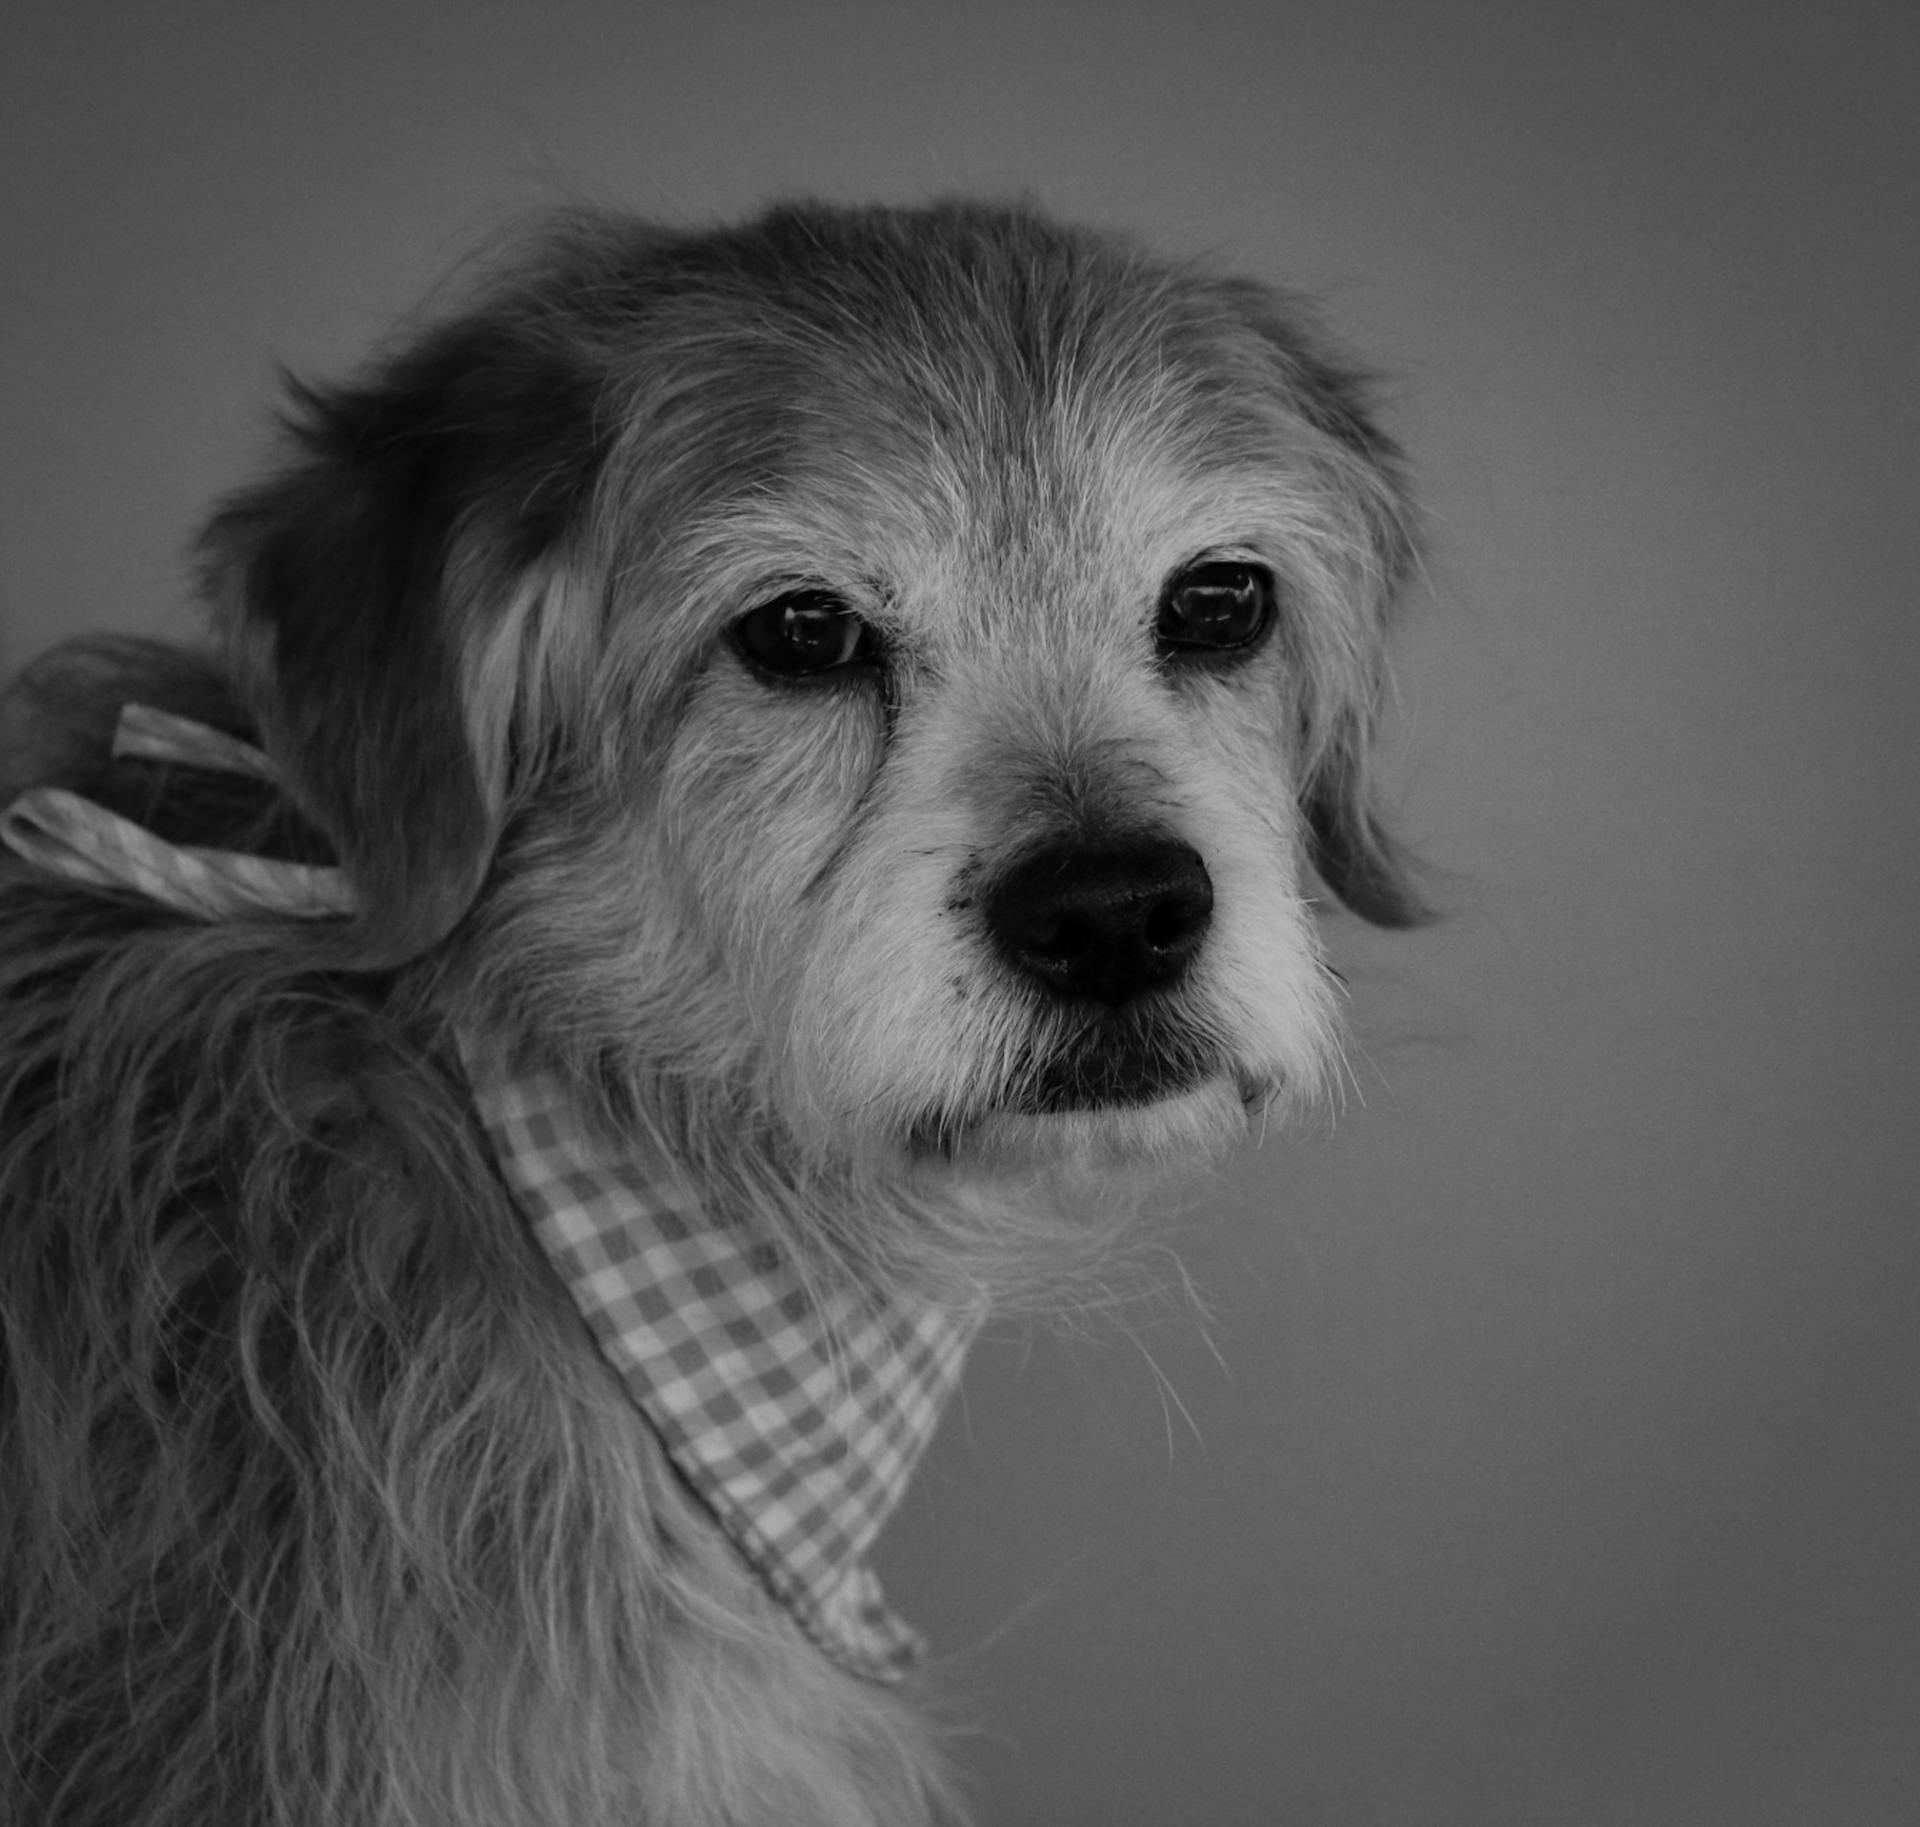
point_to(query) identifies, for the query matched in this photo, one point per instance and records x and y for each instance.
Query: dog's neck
(795, 1403)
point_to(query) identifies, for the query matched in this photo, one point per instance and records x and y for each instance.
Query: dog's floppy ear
(1356, 855)
(1352, 849)
(383, 594)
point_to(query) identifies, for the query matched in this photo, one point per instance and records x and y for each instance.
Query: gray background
(1558, 1462)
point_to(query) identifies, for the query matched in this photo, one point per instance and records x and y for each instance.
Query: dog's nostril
(1103, 921)
(1169, 922)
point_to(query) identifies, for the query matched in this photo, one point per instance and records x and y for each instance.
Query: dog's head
(892, 670)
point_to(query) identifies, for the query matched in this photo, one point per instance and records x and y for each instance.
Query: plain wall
(1553, 1452)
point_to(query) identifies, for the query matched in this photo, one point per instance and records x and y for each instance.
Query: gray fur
(317, 1505)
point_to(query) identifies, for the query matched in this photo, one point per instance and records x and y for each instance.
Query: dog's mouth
(1109, 1076)
(1106, 1066)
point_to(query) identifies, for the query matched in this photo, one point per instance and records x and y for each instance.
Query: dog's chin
(1192, 1124)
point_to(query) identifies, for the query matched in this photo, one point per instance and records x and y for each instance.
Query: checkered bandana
(796, 1413)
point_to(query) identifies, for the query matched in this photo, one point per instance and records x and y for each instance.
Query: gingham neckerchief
(796, 1413)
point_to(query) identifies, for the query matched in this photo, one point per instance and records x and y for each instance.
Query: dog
(749, 793)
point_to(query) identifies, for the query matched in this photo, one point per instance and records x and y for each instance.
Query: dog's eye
(1215, 607)
(805, 632)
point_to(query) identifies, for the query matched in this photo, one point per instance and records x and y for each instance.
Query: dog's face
(894, 670)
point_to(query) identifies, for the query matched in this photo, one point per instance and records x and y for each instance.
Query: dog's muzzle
(1100, 932)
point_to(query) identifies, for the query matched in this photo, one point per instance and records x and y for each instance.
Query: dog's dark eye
(1216, 607)
(803, 633)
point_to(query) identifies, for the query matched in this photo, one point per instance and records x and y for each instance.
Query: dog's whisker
(1170, 1400)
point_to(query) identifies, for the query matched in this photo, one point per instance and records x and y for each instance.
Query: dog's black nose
(1104, 921)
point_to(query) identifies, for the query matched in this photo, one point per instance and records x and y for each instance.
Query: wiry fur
(317, 1504)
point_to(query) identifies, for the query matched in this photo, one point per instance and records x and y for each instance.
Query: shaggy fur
(317, 1504)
